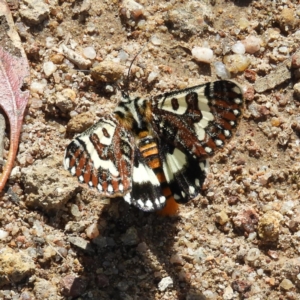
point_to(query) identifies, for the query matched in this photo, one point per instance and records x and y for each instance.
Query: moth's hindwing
(184, 173)
(102, 157)
(198, 120)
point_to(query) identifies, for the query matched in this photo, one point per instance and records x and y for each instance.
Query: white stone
(165, 283)
(221, 70)
(50, 42)
(155, 40)
(49, 68)
(89, 52)
(228, 293)
(152, 76)
(203, 54)
(3, 234)
(38, 86)
(238, 48)
(123, 56)
(252, 44)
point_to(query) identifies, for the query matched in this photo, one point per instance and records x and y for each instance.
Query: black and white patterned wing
(184, 174)
(102, 157)
(147, 192)
(198, 120)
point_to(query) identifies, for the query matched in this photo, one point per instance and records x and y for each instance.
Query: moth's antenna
(127, 82)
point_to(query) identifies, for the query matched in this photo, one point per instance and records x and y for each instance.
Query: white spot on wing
(140, 203)
(110, 188)
(237, 100)
(99, 187)
(200, 132)
(208, 149)
(80, 178)
(197, 182)
(149, 204)
(67, 163)
(73, 171)
(218, 142)
(191, 189)
(121, 187)
(176, 197)
(174, 163)
(127, 198)
(143, 173)
(227, 133)
(237, 90)
(162, 199)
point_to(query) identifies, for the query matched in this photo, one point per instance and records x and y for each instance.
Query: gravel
(240, 239)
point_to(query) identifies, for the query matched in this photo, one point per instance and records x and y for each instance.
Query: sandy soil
(239, 240)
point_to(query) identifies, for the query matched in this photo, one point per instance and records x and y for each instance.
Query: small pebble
(89, 53)
(221, 70)
(107, 71)
(49, 68)
(222, 217)
(176, 260)
(92, 231)
(253, 254)
(297, 90)
(38, 86)
(130, 238)
(155, 40)
(50, 42)
(3, 234)
(228, 293)
(252, 44)
(283, 49)
(238, 48)
(165, 283)
(269, 226)
(203, 54)
(75, 210)
(286, 284)
(152, 76)
(123, 56)
(73, 286)
(243, 23)
(236, 62)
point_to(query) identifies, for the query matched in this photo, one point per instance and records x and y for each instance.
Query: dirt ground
(240, 239)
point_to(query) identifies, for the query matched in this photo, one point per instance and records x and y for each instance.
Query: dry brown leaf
(13, 72)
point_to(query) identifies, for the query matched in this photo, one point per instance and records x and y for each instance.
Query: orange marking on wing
(115, 185)
(72, 162)
(228, 115)
(170, 209)
(87, 173)
(78, 171)
(95, 180)
(104, 185)
(82, 162)
(77, 153)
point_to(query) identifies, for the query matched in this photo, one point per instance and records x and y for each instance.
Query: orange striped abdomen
(149, 149)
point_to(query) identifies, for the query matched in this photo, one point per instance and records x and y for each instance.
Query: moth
(154, 152)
